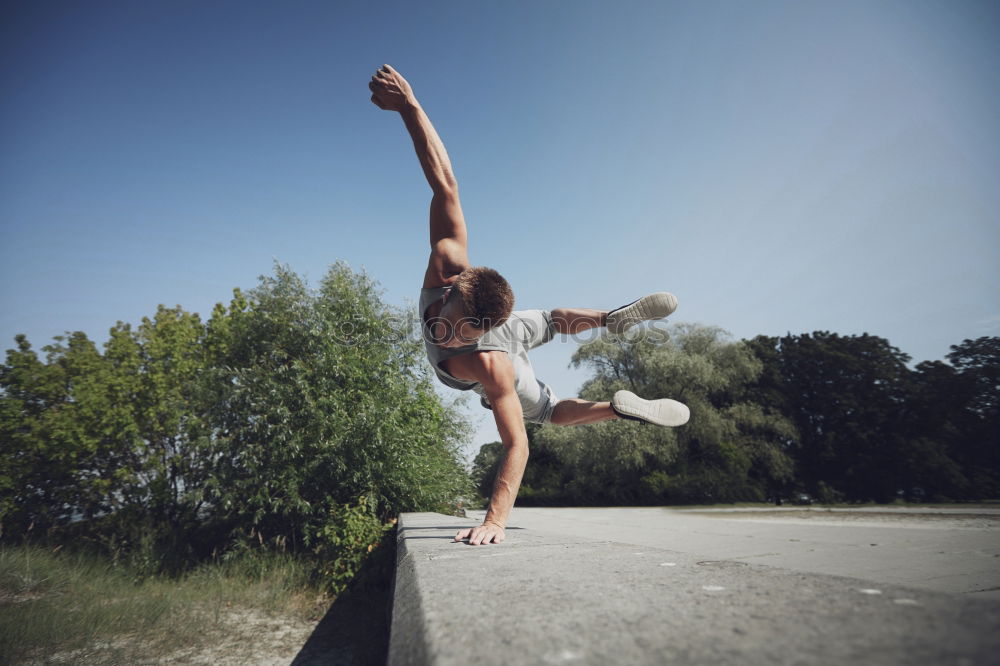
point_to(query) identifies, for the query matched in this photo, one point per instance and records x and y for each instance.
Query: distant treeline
(840, 418)
(293, 419)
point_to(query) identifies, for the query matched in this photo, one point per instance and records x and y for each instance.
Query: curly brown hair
(487, 299)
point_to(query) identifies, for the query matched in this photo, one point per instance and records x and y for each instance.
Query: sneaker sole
(662, 412)
(654, 306)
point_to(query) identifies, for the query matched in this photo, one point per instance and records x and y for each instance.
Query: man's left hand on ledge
(480, 536)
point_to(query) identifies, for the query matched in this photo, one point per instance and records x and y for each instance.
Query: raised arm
(449, 240)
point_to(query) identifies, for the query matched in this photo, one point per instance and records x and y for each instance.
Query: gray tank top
(438, 355)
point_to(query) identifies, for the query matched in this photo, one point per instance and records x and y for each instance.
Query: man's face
(451, 328)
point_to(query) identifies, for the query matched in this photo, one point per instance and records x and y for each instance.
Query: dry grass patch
(74, 608)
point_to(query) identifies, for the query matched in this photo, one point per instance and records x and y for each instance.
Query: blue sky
(780, 166)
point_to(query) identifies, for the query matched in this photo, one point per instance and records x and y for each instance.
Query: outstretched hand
(390, 91)
(482, 535)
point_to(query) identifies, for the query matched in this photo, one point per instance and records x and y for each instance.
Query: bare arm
(510, 422)
(496, 373)
(448, 236)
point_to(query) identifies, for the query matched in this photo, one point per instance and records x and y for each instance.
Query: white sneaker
(662, 412)
(654, 306)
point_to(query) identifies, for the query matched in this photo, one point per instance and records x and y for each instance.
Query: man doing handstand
(475, 342)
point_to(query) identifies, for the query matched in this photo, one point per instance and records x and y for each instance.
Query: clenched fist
(390, 91)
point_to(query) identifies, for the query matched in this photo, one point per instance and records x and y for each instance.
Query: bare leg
(576, 320)
(574, 411)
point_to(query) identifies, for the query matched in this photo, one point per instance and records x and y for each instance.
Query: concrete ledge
(542, 598)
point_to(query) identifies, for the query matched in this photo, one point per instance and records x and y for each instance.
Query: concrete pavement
(945, 550)
(650, 586)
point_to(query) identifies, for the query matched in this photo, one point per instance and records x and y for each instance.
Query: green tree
(36, 470)
(847, 396)
(324, 405)
(977, 446)
(162, 454)
(931, 459)
(108, 439)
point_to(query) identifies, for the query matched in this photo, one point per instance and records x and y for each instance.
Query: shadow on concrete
(404, 530)
(355, 629)
(450, 527)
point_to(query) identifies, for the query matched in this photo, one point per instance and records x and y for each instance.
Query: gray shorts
(523, 331)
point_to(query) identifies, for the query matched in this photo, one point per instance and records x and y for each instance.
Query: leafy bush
(294, 419)
(345, 541)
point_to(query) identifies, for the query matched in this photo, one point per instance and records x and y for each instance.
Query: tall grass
(58, 607)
